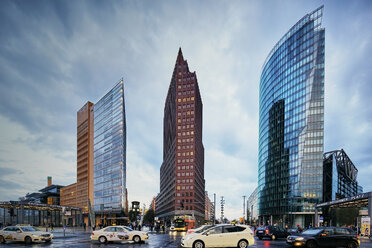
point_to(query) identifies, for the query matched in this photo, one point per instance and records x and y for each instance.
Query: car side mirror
(206, 234)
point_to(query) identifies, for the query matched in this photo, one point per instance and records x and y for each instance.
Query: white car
(136, 236)
(110, 233)
(220, 236)
(27, 234)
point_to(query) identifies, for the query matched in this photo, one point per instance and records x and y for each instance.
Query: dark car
(325, 237)
(273, 232)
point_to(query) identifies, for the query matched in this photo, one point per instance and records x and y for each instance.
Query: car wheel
(48, 241)
(198, 244)
(311, 244)
(28, 240)
(273, 237)
(102, 240)
(351, 245)
(242, 244)
(137, 239)
(2, 240)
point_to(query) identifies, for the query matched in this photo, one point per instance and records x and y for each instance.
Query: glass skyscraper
(110, 152)
(291, 124)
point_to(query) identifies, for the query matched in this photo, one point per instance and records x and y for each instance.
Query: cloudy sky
(56, 55)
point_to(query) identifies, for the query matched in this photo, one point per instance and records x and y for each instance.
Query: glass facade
(110, 151)
(291, 124)
(339, 176)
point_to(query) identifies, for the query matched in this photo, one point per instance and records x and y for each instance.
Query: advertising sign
(365, 229)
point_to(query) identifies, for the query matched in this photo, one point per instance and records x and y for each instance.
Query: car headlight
(300, 239)
(35, 236)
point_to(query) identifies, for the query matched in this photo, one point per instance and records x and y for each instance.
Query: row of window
(186, 99)
(185, 126)
(185, 154)
(185, 167)
(187, 160)
(186, 133)
(185, 140)
(187, 174)
(185, 120)
(186, 92)
(187, 187)
(186, 106)
(185, 180)
(185, 147)
(186, 113)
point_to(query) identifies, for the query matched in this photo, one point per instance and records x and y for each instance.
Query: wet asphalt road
(155, 241)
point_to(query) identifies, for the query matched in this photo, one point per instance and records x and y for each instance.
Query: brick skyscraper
(182, 184)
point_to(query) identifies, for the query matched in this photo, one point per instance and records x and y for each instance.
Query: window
(216, 230)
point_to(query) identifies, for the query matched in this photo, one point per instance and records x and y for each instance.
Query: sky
(57, 55)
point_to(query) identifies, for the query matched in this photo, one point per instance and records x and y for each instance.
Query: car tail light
(92, 234)
(267, 231)
(358, 236)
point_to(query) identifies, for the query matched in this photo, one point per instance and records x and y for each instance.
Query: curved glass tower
(291, 125)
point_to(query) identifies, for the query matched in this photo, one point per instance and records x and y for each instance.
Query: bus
(183, 223)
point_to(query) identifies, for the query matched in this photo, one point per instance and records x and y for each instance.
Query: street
(156, 240)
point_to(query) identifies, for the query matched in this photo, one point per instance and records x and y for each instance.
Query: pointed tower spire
(180, 56)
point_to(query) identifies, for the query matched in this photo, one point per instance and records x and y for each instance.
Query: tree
(149, 217)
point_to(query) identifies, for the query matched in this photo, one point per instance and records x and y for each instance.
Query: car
(199, 229)
(136, 236)
(272, 232)
(220, 236)
(109, 234)
(27, 234)
(325, 237)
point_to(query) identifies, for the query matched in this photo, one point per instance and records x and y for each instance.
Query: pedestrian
(299, 229)
(1, 225)
(139, 227)
(163, 227)
(85, 227)
(51, 227)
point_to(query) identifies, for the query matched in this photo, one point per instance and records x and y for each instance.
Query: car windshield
(29, 229)
(312, 231)
(203, 229)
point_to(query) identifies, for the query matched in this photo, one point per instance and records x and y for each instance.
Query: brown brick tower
(77, 194)
(182, 184)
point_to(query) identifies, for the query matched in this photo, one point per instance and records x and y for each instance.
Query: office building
(339, 176)
(253, 208)
(110, 194)
(182, 184)
(291, 125)
(78, 194)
